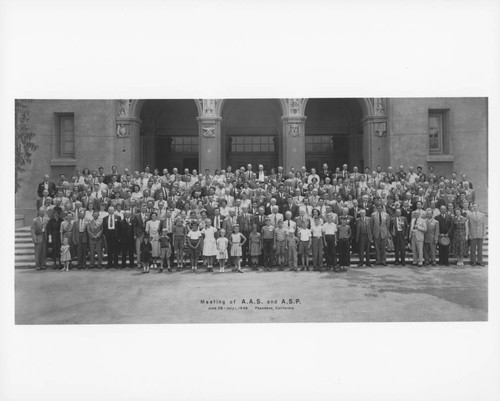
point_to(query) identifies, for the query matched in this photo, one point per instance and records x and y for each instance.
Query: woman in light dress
(209, 244)
(237, 240)
(153, 230)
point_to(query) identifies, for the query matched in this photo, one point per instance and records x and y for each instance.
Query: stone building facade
(447, 133)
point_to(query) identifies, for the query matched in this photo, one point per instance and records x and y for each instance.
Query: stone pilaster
(375, 142)
(127, 149)
(293, 140)
(210, 143)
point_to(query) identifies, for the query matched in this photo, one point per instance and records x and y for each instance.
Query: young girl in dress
(209, 244)
(222, 243)
(237, 240)
(65, 255)
(146, 250)
(255, 246)
(194, 241)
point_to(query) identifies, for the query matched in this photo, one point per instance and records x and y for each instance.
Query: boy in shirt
(279, 244)
(344, 235)
(304, 246)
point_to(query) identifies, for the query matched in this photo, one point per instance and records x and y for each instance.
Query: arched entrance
(169, 134)
(251, 132)
(333, 133)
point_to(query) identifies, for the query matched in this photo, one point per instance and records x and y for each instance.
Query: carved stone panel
(208, 130)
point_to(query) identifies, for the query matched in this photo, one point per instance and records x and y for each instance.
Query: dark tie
(380, 218)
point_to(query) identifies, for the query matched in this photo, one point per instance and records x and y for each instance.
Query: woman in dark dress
(460, 234)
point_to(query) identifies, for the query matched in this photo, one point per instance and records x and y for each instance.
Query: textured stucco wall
(468, 137)
(95, 140)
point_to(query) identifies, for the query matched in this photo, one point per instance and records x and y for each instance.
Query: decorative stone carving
(208, 130)
(294, 129)
(208, 107)
(123, 107)
(381, 129)
(122, 131)
(294, 106)
(378, 106)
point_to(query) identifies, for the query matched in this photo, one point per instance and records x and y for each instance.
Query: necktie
(380, 218)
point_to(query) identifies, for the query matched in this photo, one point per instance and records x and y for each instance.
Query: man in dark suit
(110, 229)
(364, 237)
(364, 203)
(126, 239)
(290, 207)
(245, 221)
(39, 237)
(380, 228)
(398, 227)
(139, 224)
(48, 185)
(43, 200)
(445, 227)
(260, 218)
(81, 239)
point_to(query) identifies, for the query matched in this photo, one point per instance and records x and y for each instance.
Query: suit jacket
(76, 232)
(303, 223)
(432, 233)
(105, 225)
(368, 225)
(139, 224)
(39, 229)
(227, 225)
(419, 229)
(393, 226)
(294, 209)
(51, 187)
(245, 221)
(260, 222)
(126, 231)
(445, 224)
(368, 208)
(380, 230)
(477, 225)
(94, 230)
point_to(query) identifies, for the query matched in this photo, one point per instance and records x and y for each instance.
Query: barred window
(64, 129)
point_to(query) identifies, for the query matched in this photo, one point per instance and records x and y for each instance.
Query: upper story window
(64, 128)
(438, 131)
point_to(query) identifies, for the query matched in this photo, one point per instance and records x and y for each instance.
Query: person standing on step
(39, 237)
(477, 233)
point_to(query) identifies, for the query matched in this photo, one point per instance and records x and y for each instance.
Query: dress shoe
(385, 264)
(369, 265)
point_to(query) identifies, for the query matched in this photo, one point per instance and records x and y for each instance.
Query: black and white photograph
(336, 210)
(239, 200)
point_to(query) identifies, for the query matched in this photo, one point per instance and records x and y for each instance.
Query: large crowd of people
(246, 218)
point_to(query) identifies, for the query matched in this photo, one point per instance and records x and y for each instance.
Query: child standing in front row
(65, 255)
(222, 243)
(237, 240)
(146, 250)
(255, 246)
(165, 250)
(279, 244)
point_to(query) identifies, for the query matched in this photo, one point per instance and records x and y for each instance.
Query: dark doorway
(169, 134)
(334, 133)
(251, 132)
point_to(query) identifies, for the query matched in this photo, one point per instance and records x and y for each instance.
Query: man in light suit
(364, 237)
(94, 231)
(477, 232)
(431, 237)
(380, 227)
(398, 227)
(111, 226)
(39, 237)
(81, 239)
(229, 222)
(418, 227)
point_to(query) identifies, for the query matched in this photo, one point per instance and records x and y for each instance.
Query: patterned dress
(459, 242)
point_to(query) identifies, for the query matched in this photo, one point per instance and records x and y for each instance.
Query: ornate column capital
(294, 107)
(123, 118)
(209, 126)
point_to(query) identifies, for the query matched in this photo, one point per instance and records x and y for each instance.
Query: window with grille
(253, 144)
(438, 132)
(64, 127)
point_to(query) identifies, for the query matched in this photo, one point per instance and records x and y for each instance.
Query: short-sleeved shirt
(268, 232)
(316, 231)
(329, 228)
(305, 234)
(280, 234)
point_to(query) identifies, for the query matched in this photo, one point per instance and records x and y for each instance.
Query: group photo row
(300, 220)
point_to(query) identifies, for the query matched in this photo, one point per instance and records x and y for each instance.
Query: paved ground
(380, 294)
